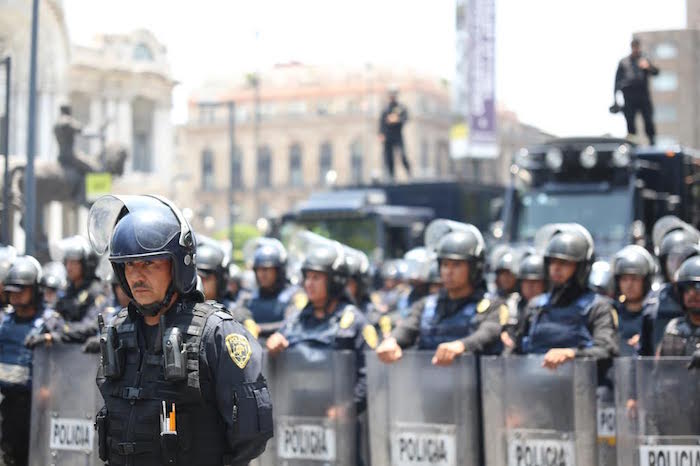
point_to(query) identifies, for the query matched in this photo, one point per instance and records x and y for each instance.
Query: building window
(666, 81)
(666, 51)
(356, 161)
(142, 53)
(665, 113)
(296, 178)
(142, 132)
(237, 169)
(325, 161)
(208, 182)
(207, 113)
(424, 157)
(264, 178)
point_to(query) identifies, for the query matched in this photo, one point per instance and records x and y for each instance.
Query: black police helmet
(688, 275)
(78, 248)
(531, 267)
(145, 228)
(54, 276)
(210, 259)
(329, 259)
(633, 260)
(465, 246)
(269, 254)
(571, 242)
(25, 271)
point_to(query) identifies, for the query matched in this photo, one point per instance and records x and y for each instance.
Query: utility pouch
(168, 448)
(101, 427)
(174, 355)
(113, 353)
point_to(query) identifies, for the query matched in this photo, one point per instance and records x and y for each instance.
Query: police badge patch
(503, 314)
(239, 349)
(483, 305)
(369, 333)
(347, 319)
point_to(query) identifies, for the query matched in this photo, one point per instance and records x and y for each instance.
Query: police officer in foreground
(569, 321)
(211, 267)
(181, 379)
(633, 269)
(275, 299)
(26, 325)
(457, 320)
(682, 335)
(83, 299)
(531, 283)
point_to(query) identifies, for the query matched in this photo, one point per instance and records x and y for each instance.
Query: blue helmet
(144, 227)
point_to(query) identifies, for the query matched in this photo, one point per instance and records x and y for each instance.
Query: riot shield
(65, 400)
(658, 415)
(314, 410)
(421, 414)
(537, 416)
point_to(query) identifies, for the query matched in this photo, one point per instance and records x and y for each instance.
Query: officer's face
(531, 288)
(148, 280)
(266, 276)
(352, 287)
(390, 283)
(316, 287)
(454, 274)
(505, 280)
(691, 298)
(74, 270)
(632, 286)
(561, 271)
(21, 298)
(50, 296)
(233, 287)
(209, 284)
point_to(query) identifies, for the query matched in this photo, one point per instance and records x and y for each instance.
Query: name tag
(71, 434)
(305, 439)
(528, 451)
(414, 444)
(669, 455)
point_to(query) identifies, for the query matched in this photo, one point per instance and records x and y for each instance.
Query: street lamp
(29, 181)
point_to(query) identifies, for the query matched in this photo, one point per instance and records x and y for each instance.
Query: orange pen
(172, 419)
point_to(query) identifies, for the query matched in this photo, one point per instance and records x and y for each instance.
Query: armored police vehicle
(614, 189)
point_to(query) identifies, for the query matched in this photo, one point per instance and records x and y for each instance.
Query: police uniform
(630, 324)
(345, 328)
(16, 361)
(271, 309)
(660, 307)
(437, 319)
(186, 391)
(79, 307)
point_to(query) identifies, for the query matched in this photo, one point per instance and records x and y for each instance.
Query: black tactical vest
(133, 400)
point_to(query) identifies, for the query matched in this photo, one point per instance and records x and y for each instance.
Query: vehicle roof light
(554, 158)
(588, 157)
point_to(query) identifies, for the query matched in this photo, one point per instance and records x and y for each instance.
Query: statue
(62, 180)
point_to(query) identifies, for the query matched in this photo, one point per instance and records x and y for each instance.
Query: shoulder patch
(483, 305)
(239, 349)
(252, 327)
(503, 314)
(347, 319)
(300, 300)
(616, 319)
(369, 333)
(83, 296)
(385, 325)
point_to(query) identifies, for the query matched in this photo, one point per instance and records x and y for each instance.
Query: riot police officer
(180, 378)
(54, 280)
(459, 319)
(633, 269)
(81, 302)
(329, 320)
(358, 286)
(211, 267)
(275, 299)
(235, 291)
(682, 335)
(531, 283)
(26, 325)
(416, 271)
(569, 320)
(7, 256)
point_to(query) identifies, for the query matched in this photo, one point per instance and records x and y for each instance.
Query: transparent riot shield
(606, 426)
(536, 416)
(421, 414)
(65, 400)
(313, 408)
(658, 415)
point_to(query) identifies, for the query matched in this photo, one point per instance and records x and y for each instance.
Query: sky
(555, 59)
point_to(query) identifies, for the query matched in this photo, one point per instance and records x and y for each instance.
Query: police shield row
(155, 348)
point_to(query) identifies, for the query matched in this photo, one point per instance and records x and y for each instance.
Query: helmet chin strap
(151, 310)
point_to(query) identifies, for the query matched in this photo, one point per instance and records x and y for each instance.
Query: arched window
(356, 162)
(325, 161)
(296, 177)
(208, 183)
(264, 178)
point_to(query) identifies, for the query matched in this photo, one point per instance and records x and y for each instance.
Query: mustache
(140, 286)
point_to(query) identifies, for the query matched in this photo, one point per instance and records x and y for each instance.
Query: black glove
(92, 345)
(695, 360)
(35, 340)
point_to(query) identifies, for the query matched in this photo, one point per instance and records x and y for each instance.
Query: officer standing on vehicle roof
(181, 379)
(459, 319)
(569, 320)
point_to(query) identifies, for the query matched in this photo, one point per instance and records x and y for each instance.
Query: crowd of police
(180, 327)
